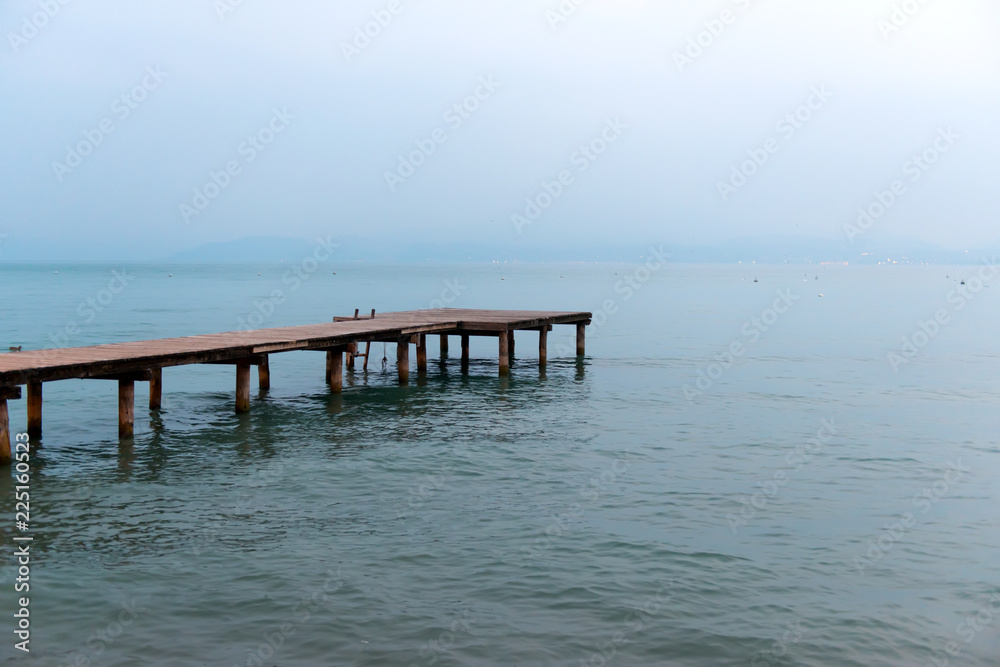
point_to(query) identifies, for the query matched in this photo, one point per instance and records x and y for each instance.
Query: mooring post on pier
(155, 388)
(504, 353)
(34, 409)
(543, 346)
(465, 350)
(126, 408)
(422, 353)
(403, 359)
(14, 394)
(264, 373)
(581, 329)
(242, 388)
(335, 362)
(444, 345)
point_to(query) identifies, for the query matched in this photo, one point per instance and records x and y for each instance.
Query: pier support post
(422, 353)
(543, 346)
(155, 388)
(336, 364)
(34, 409)
(504, 353)
(403, 359)
(510, 343)
(126, 408)
(444, 345)
(352, 350)
(264, 373)
(5, 393)
(581, 334)
(4, 433)
(465, 350)
(242, 388)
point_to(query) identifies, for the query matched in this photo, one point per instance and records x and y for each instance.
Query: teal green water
(597, 513)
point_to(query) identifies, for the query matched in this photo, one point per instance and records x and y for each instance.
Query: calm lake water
(799, 502)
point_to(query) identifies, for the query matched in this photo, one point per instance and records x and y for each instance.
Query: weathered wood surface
(120, 358)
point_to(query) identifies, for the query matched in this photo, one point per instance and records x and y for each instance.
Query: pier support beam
(352, 350)
(422, 353)
(126, 408)
(34, 409)
(242, 388)
(465, 350)
(155, 388)
(543, 346)
(444, 345)
(403, 359)
(581, 333)
(264, 373)
(335, 364)
(504, 353)
(510, 343)
(13, 393)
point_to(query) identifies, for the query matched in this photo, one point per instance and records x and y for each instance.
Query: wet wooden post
(403, 359)
(504, 357)
(155, 388)
(352, 350)
(264, 373)
(543, 346)
(581, 329)
(329, 366)
(126, 408)
(13, 393)
(465, 350)
(422, 353)
(336, 358)
(242, 388)
(510, 343)
(444, 345)
(34, 409)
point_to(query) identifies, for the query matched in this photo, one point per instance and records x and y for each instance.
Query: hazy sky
(201, 78)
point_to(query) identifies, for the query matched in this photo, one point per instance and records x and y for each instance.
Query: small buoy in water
(57, 273)
(821, 296)
(170, 275)
(963, 282)
(755, 280)
(258, 273)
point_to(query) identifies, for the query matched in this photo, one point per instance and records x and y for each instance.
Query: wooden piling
(352, 350)
(242, 388)
(126, 408)
(329, 366)
(336, 358)
(368, 349)
(504, 353)
(422, 353)
(34, 409)
(510, 343)
(444, 345)
(465, 350)
(543, 346)
(581, 330)
(264, 373)
(155, 388)
(403, 359)
(4, 433)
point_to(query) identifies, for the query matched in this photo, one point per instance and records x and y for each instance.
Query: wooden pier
(144, 361)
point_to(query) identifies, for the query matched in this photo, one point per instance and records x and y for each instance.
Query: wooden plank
(10, 393)
(34, 409)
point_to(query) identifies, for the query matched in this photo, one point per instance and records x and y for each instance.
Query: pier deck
(144, 360)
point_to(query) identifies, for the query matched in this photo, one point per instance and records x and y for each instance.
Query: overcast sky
(667, 121)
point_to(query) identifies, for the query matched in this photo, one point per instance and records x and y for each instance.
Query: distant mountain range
(762, 249)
